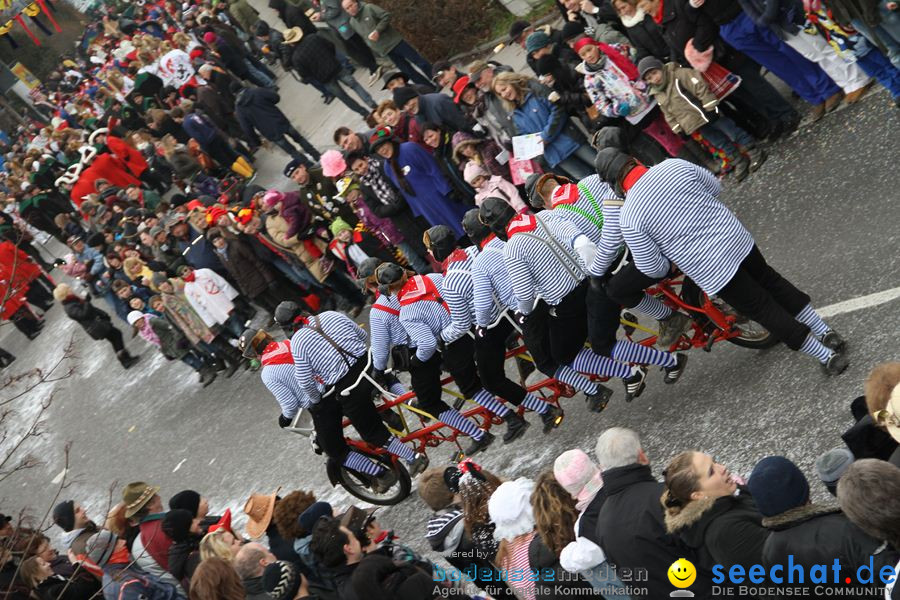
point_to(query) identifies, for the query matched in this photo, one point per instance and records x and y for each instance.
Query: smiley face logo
(682, 573)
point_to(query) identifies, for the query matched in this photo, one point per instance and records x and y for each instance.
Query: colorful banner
(26, 76)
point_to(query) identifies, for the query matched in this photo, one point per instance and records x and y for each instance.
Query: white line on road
(859, 303)
(178, 466)
(58, 479)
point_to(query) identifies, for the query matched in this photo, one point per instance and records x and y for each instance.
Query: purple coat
(382, 228)
(296, 212)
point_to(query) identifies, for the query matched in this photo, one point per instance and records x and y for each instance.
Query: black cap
(404, 94)
(281, 580)
(289, 168)
(367, 268)
(474, 228)
(440, 241)
(516, 29)
(249, 342)
(438, 68)
(610, 163)
(496, 214)
(63, 515)
(177, 524)
(391, 75)
(608, 137)
(286, 312)
(388, 273)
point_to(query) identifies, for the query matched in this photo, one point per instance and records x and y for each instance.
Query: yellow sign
(25, 75)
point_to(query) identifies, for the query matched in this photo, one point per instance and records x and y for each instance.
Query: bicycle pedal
(457, 456)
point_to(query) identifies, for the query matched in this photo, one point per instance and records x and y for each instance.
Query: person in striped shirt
(493, 293)
(545, 267)
(386, 333)
(277, 375)
(490, 342)
(330, 360)
(581, 204)
(672, 216)
(425, 315)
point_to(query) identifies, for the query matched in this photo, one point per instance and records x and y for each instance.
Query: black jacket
(631, 529)
(253, 586)
(314, 58)
(257, 110)
(724, 531)
(184, 557)
(817, 535)
(440, 109)
(648, 40)
(95, 321)
(251, 274)
(295, 16)
(564, 584)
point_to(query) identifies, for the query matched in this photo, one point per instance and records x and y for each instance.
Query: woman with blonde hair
(533, 112)
(220, 543)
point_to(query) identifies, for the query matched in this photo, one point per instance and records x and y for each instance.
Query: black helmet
(611, 164)
(496, 214)
(286, 315)
(535, 182)
(253, 341)
(440, 241)
(388, 274)
(474, 228)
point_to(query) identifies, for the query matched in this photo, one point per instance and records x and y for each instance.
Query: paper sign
(527, 146)
(503, 157)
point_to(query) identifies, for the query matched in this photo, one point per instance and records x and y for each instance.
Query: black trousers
(603, 320)
(360, 52)
(106, 331)
(626, 288)
(759, 292)
(490, 356)
(24, 320)
(555, 335)
(459, 361)
(38, 295)
(425, 379)
(357, 406)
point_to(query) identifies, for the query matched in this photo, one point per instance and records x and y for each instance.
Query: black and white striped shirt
(282, 382)
(672, 214)
(491, 284)
(385, 330)
(317, 364)
(425, 320)
(458, 294)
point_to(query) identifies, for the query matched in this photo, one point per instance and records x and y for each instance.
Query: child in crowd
(488, 186)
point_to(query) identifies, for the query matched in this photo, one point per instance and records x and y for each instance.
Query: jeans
(724, 133)
(405, 56)
(415, 260)
(233, 327)
(579, 164)
(878, 66)
(192, 360)
(887, 33)
(335, 89)
(288, 147)
(257, 76)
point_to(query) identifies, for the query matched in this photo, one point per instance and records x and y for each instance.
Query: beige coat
(276, 228)
(684, 98)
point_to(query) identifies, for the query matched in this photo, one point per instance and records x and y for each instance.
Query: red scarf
(633, 175)
(420, 288)
(189, 277)
(658, 17)
(312, 248)
(622, 62)
(521, 223)
(458, 255)
(120, 556)
(486, 241)
(277, 353)
(564, 194)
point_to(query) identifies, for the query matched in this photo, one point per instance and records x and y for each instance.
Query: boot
(6, 359)
(242, 167)
(207, 375)
(515, 426)
(126, 359)
(756, 155)
(702, 156)
(480, 445)
(741, 168)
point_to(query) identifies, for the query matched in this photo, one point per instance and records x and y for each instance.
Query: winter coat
(150, 550)
(121, 582)
(430, 197)
(202, 129)
(319, 191)
(614, 84)
(383, 228)
(210, 296)
(244, 15)
(374, 18)
(336, 17)
(308, 251)
(817, 535)
(253, 586)
(536, 114)
(564, 585)
(251, 274)
(314, 57)
(95, 321)
(724, 531)
(295, 16)
(685, 99)
(487, 153)
(182, 316)
(441, 110)
(184, 558)
(496, 187)
(646, 37)
(631, 530)
(397, 211)
(257, 110)
(443, 155)
(172, 342)
(79, 588)
(200, 255)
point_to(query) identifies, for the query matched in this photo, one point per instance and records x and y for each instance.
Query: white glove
(586, 249)
(581, 555)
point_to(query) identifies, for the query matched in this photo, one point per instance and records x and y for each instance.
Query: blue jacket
(201, 129)
(121, 582)
(440, 109)
(777, 15)
(538, 115)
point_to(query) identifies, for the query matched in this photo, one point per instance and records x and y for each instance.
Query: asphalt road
(824, 209)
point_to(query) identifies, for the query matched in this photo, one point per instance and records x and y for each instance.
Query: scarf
(632, 177)
(189, 277)
(636, 19)
(119, 557)
(660, 13)
(277, 353)
(380, 186)
(147, 332)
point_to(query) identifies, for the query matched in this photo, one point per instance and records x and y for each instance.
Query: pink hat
(577, 473)
(333, 164)
(272, 197)
(209, 37)
(473, 170)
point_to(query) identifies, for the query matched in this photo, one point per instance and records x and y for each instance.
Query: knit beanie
(101, 546)
(158, 278)
(832, 465)
(339, 225)
(309, 517)
(281, 580)
(64, 515)
(536, 41)
(333, 164)
(510, 509)
(472, 171)
(577, 473)
(648, 63)
(404, 94)
(272, 197)
(209, 37)
(777, 486)
(177, 524)
(545, 64)
(188, 500)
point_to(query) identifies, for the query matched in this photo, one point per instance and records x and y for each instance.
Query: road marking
(855, 304)
(58, 479)
(178, 466)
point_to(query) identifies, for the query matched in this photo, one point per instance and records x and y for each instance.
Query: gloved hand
(598, 284)
(284, 421)
(480, 332)
(380, 377)
(623, 109)
(520, 318)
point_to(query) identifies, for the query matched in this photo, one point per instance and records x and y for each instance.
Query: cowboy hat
(293, 35)
(259, 510)
(136, 496)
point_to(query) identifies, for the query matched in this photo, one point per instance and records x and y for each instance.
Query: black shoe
(391, 419)
(552, 419)
(836, 364)
(233, 366)
(126, 360)
(674, 373)
(832, 339)
(480, 445)
(741, 168)
(790, 125)
(634, 385)
(671, 328)
(419, 464)
(515, 426)
(597, 402)
(7, 360)
(382, 483)
(757, 157)
(207, 376)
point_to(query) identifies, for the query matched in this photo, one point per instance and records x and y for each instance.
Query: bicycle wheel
(752, 334)
(360, 484)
